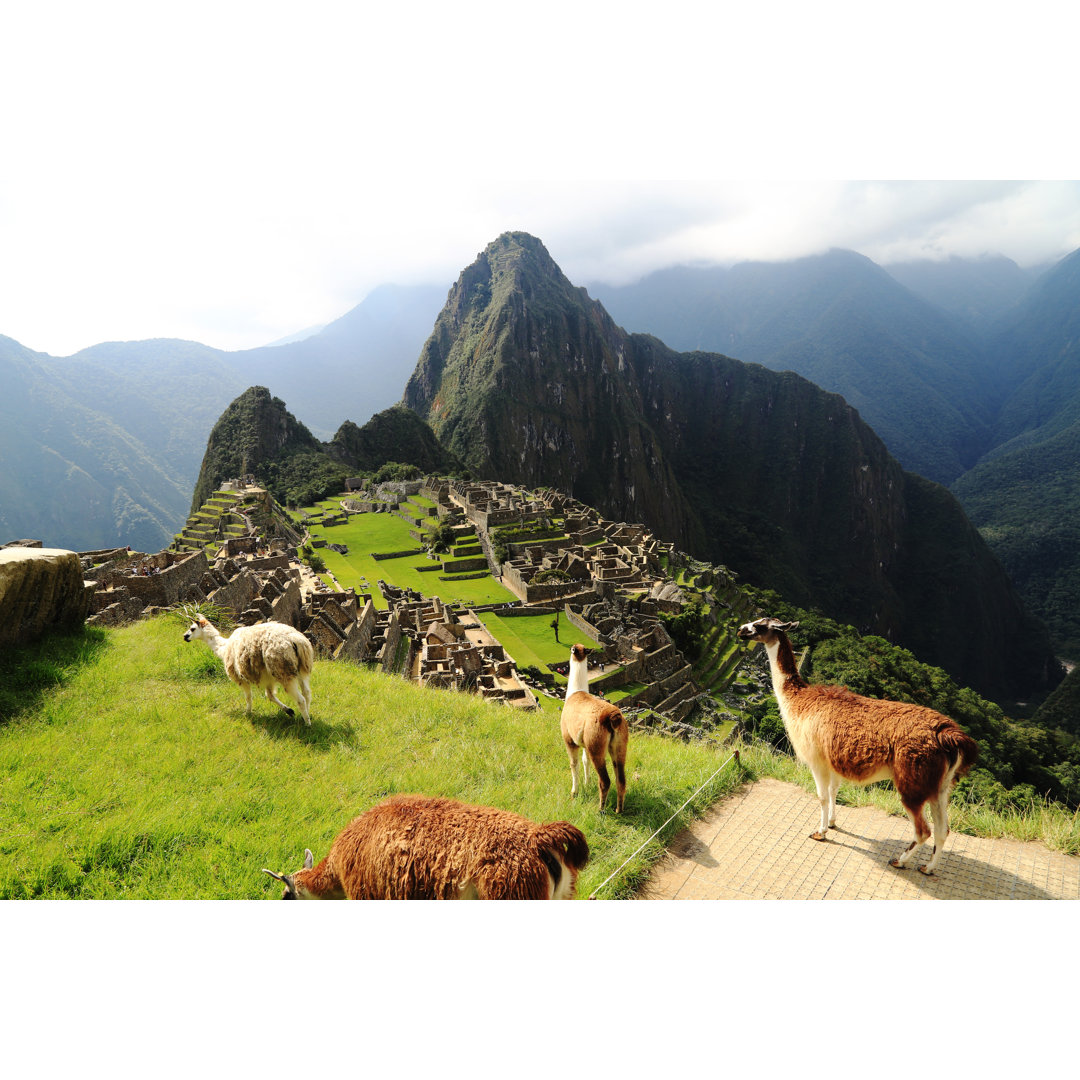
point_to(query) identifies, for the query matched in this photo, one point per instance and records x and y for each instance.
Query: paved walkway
(755, 845)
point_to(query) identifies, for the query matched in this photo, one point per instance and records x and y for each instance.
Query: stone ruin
(606, 578)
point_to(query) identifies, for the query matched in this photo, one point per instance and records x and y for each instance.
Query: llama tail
(612, 720)
(962, 749)
(563, 840)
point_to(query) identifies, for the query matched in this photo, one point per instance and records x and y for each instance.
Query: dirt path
(755, 845)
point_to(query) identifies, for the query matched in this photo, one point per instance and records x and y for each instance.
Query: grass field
(128, 769)
(364, 533)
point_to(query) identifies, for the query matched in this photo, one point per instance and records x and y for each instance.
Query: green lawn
(129, 769)
(531, 640)
(365, 533)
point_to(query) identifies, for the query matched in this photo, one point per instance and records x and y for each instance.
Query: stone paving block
(755, 845)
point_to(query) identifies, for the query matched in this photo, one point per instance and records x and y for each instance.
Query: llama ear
(309, 859)
(788, 626)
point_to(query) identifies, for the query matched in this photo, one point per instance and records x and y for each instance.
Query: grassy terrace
(364, 533)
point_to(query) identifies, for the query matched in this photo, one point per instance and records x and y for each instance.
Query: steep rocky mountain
(103, 447)
(528, 380)
(395, 434)
(258, 435)
(912, 370)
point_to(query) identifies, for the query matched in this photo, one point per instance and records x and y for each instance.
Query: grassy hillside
(128, 769)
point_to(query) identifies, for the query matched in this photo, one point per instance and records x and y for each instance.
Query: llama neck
(320, 882)
(578, 680)
(212, 637)
(782, 666)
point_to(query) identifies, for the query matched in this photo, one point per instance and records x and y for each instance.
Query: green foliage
(439, 536)
(396, 470)
(688, 628)
(551, 576)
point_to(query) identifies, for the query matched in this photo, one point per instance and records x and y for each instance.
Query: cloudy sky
(234, 172)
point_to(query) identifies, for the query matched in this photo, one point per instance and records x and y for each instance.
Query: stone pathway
(755, 845)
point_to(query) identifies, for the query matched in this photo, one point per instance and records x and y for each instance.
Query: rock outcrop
(41, 589)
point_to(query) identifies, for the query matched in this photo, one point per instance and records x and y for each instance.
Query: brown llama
(595, 725)
(412, 847)
(844, 736)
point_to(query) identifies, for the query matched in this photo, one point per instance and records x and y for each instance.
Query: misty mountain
(104, 447)
(1025, 494)
(529, 380)
(912, 370)
(978, 291)
(353, 367)
(94, 455)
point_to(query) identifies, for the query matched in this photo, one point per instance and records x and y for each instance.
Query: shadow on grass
(28, 672)
(320, 736)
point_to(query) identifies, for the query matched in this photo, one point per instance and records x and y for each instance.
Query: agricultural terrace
(363, 534)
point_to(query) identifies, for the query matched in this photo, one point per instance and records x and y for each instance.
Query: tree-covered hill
(257, 435)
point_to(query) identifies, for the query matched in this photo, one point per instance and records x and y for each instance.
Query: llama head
(578, 654)
(294, 890)
(763, 630)
(196, 629)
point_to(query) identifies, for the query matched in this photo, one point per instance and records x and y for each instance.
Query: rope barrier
(734, 757)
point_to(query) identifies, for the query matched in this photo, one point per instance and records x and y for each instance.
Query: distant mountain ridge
(969, 369)
(104, 447)
(912, 370)
(528, 380)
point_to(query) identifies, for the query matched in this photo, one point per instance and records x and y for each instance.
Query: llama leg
(922, 834)
(574, 753)
(939, 811)
(246, 687)
(620, 785)
(605, 780)
(294, 691)
(271, 695)
(834, 787)
(821, 782)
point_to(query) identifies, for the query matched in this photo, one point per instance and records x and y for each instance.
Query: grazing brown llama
(412, 847)
(263, 655)
(595, 725)
(844, 736)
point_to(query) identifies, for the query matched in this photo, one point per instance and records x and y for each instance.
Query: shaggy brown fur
(842, 735)
(590, 723)
(411, 847)
(263, 655)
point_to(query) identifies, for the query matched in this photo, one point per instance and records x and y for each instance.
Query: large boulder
(40, 589)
